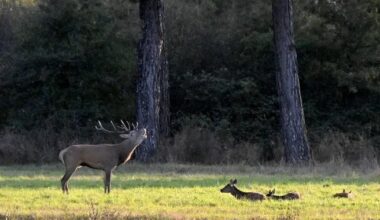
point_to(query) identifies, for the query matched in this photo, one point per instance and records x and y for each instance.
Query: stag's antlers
(117, 128)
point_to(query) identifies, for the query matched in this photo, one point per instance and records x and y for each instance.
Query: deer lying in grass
(288, 196)
(343, 194)
(104, 157)
(231, 188)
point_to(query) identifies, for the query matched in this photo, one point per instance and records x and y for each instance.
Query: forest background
(66, 64)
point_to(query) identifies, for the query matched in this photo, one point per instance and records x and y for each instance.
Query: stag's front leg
(107, 181)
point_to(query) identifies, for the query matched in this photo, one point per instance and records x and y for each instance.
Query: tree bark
(152, 85)
(5, 26)
(164, 126)
(293, 128)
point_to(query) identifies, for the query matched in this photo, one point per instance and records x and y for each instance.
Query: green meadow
(174, 191)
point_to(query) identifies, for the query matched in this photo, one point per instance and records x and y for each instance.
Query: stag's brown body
(105, 157)
(102, 156)
(231, 188)
(288, 196)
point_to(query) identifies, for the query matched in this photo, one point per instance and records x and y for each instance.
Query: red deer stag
(231, 188)
(104, 157)
(288, 196)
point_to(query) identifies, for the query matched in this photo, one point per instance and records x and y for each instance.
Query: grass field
(186, 192)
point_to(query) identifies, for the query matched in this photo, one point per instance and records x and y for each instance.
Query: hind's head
(271, 192)
(229, 187)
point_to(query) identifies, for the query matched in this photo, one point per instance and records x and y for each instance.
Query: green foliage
(222, 66)
(338, 48)
(71, 65)
(65, 63)
(233, 106)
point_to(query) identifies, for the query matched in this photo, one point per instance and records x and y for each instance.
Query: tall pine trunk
(293, 128)
(152, 85)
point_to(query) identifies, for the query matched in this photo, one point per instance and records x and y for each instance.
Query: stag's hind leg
(66, 177)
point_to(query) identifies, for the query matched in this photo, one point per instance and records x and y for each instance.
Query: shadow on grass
(137, 175)
(172, 182)
(127, 184)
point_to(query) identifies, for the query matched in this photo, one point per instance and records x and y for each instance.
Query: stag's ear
(124, 136)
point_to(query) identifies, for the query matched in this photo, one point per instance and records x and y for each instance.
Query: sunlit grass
(185, 192)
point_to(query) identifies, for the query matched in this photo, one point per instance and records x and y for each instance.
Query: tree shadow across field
(175, 181)
(117, 183)
(137, 175)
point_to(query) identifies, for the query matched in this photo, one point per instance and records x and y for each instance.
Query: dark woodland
(66, 64)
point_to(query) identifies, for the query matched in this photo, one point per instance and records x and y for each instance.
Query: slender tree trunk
(152, 87)
(293, 128)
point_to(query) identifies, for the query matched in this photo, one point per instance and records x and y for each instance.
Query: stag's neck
(237, 193)
(126, 149)
(126, 146)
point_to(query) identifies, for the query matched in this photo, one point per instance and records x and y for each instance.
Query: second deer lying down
(288, 196)
(231, 188)
(104, 157)
(343, 194)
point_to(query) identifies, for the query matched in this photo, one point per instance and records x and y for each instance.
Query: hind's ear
(349, 192)
(344, 190)
(273, 190)
(235, 181)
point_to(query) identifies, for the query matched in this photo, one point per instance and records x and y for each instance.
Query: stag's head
(136, 135)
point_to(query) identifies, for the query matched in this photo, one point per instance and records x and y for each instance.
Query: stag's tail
(61, 153)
